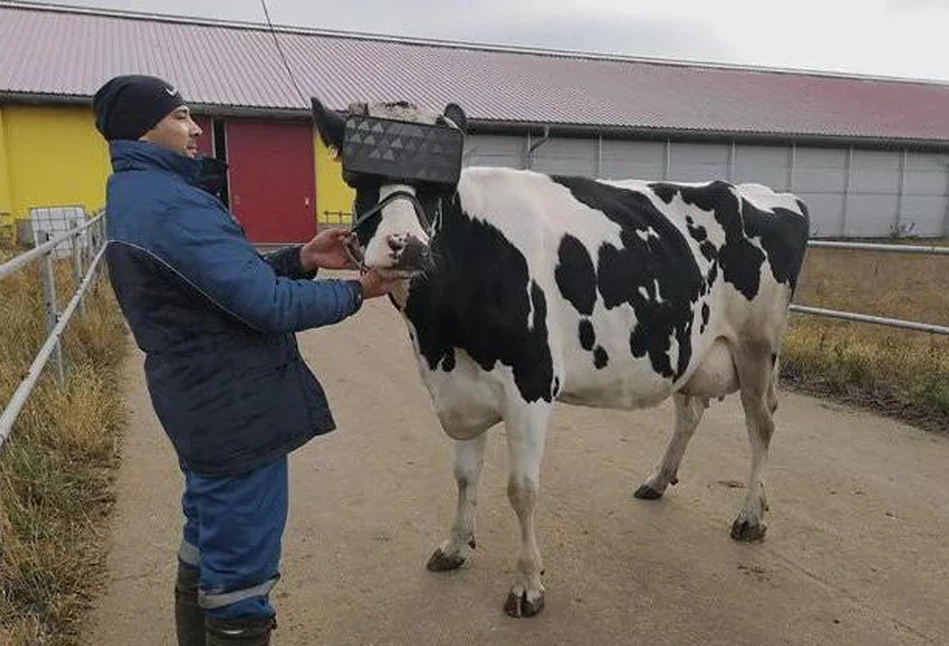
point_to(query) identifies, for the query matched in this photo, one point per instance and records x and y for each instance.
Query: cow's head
(401, 161)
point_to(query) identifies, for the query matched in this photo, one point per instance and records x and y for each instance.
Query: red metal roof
(54, 51)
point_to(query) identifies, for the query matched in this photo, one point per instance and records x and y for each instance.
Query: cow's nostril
(396, 243)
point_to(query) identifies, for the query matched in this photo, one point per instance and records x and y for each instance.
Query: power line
(286, 65)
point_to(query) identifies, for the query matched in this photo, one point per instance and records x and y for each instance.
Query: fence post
(667, 159)
(96, 242)
(49, 301)
(77, 264)
(898, 223)
(945, 224)
(730, 164)
(848, 180)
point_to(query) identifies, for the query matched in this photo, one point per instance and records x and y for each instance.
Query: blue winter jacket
(214, 318)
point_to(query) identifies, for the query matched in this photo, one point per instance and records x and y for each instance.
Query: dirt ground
(856, 551)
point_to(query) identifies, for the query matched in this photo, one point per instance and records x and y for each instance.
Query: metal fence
(867, 318)
(85, 262)
(86, 259)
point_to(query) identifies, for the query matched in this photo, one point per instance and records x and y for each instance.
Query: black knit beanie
(127, 107)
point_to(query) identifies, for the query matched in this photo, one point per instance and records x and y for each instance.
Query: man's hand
(326, 251)
(374, 285)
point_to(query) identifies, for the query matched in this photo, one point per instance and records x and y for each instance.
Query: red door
(272, 179)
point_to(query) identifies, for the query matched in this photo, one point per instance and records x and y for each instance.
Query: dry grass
(56, 469)
(898, 372)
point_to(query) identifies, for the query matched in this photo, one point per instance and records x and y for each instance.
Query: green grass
(57, 466)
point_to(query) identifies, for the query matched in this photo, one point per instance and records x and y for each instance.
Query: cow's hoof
(747, 531)
(442, 562)
(520, 607)
(645, 492)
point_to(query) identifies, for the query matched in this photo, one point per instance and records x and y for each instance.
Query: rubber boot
(239, 632)
(189, 618)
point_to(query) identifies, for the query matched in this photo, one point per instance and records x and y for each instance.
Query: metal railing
(867, 318)
(86, 260)
(85, 264)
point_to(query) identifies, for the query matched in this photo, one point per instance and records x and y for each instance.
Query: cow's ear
(329, 124)
(457, 116)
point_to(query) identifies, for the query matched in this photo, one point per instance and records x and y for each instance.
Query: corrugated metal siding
(495, 150)
(632, 159)
(926, 194)
(766, 165)
(859, 193)
(56, 52)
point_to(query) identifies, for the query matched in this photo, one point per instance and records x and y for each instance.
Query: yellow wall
(6, 199)
(55, 157)
(332, 194)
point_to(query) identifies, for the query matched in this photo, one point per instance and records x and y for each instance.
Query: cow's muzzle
(409, 254)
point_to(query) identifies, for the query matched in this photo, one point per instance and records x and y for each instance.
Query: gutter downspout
(532, 146)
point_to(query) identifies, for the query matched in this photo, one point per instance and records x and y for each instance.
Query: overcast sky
(905, 38)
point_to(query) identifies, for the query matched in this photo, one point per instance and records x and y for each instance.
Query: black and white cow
(615, 294)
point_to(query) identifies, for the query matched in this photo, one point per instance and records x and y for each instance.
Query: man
(216, 322)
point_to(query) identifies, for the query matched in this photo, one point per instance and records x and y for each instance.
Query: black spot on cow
(665, 192)
(556, 390)
(708, 251)
(706, 312)
(700, 235)
(740, 260)
(600, 358)
(482, 306)
(628, 274)
(575, 275)
(783, 235)
(587, 335)
(712, 275)
(448, 363)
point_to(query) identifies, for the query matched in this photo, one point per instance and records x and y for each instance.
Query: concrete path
(856, 553)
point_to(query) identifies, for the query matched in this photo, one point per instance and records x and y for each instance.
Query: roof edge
(695, 134)
(31, 5)
(501, 126)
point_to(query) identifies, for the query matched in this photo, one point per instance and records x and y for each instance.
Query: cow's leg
(688, 414)
(756, 374)
(455, 552)
(526, 433)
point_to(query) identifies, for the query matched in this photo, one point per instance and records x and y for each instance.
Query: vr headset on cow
(376, 150)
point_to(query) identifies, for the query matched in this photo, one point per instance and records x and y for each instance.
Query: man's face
(176, 131)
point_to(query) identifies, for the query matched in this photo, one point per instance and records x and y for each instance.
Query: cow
(523, 289)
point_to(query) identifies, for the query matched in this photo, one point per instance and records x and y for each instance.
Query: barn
(869, 155)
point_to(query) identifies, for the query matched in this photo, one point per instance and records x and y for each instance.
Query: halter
(356, 255)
